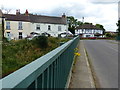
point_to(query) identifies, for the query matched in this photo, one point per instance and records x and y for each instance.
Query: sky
(104, 12)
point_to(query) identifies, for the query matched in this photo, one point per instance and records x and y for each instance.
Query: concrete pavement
(81, 73)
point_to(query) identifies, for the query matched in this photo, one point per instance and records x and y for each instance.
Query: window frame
(8, 25)
(20, 25)
(59, 28)
(49, 27)
(37, 25)
(20, 35)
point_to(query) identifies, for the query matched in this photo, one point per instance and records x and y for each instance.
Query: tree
(73, 23)
(5, 10)
(101, 27)
(88, 23)
(108, 35)
(118, 30)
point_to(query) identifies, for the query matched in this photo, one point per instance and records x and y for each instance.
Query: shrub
(5, 40)
(41, 41)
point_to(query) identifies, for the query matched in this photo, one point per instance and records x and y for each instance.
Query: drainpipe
(2, 27)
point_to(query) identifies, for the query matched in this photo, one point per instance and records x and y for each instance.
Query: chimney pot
(26, 13)
(64, 16)
(18, 12)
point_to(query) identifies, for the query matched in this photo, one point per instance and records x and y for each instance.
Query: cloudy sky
(103, 12)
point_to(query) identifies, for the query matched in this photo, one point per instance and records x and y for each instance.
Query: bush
(41, 41)
(5, 40)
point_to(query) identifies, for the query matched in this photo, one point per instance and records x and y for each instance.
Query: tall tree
(101, 27)
(88, 23)
(73, 23)
(118, 30)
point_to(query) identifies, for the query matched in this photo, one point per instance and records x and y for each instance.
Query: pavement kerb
(91, 77)
(91, 82)
(95, 78)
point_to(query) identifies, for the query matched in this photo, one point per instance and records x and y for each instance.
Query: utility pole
(82, 19)
(119, 10)
(82, 23)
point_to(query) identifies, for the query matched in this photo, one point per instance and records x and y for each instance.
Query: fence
(49, 71)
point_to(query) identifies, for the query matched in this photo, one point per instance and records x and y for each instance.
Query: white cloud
(105, 14)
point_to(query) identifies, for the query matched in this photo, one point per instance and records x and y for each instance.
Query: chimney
(64, 16)
(26, 13)
(18, 12)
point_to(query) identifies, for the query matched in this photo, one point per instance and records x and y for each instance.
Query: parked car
(31, 37)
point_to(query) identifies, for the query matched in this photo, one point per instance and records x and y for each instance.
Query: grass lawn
(16, 54)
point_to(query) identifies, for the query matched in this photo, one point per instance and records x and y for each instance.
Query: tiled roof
(88, 26)
(47, 19)
(12, 17)
(36, 18)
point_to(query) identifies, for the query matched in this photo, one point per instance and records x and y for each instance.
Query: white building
(22, 25)
(88, 30)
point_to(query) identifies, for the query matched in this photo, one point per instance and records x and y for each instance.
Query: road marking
(89, 70)
(113, 48)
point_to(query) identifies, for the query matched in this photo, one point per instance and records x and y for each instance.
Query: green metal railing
(49, 71)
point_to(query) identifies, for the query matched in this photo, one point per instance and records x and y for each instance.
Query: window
(20, 26)
(87, 35)
(8, 25)
(49, 28)
(90, 30)
(37, 27)
(20, 35)
(94, 31)
(59, 28)
(87, 30)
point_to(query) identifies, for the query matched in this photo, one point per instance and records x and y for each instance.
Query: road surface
(103, 56)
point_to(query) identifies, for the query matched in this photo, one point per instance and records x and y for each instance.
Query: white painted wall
(29, 27)
(54, 29)
(86, 32)
(14, 29)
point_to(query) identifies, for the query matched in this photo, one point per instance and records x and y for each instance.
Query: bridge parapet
(49, 71)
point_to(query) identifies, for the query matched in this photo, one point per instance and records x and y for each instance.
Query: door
(8, 35)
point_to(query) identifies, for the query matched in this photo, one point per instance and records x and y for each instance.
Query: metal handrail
(48, 71)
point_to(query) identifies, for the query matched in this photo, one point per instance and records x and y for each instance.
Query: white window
(59, 28)
(90, 31)
(87, 31)
(20, 26)
(49, 27)
(8, 25)
(37, 27)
